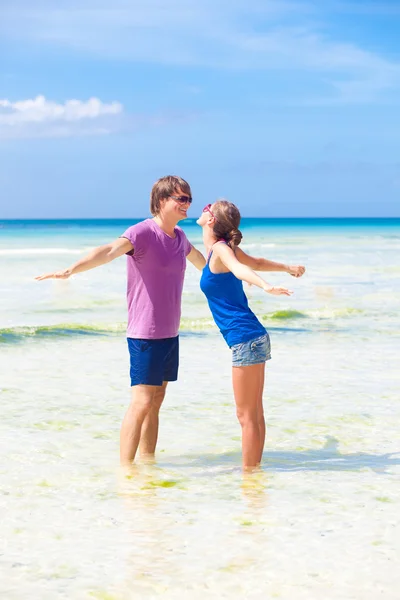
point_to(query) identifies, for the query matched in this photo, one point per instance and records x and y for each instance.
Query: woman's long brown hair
(227, 221)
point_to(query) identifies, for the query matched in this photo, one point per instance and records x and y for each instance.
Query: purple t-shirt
(156, 269)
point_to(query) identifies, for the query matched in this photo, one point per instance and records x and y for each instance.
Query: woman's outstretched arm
(263, 264)
(243, 272)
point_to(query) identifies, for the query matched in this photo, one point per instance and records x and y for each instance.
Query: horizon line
(44, 219)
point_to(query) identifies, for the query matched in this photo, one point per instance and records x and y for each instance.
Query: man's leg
(149, 433)
(169, 360)
(140, 406)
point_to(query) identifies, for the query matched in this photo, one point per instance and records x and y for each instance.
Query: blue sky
(286, 108)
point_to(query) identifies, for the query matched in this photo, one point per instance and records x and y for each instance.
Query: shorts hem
(168, 380)
(249, 364)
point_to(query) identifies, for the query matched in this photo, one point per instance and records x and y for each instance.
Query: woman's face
(206, 217)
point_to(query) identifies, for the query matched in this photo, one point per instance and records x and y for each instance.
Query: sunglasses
(182, 199)
(208, 209)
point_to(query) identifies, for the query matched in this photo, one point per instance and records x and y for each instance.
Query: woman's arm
(262, 264)
(97, 257)
(243, 272)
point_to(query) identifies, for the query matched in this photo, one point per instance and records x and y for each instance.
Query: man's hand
(296, 270)
(97, 257)
(57, 275)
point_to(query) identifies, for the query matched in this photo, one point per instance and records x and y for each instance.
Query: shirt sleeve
(186, 244)
(138, 235)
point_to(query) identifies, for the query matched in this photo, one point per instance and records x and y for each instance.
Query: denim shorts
(253, 352)
(153, 361)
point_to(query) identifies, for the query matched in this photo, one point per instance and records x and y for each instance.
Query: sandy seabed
(319, 522)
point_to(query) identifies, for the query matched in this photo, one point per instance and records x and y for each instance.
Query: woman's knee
(247, 417)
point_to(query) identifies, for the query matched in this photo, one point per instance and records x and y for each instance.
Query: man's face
(177, 204)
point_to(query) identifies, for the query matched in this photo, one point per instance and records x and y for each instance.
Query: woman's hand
(277, 291)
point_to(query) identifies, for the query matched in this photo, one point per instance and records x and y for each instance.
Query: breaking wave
(188, 325)
(37, 251)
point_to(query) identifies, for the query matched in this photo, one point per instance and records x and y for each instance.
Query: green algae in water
(103, 436)
(100, 595)
(285, 314)
(167, 483)
(236, 566)
(63, 572)
(383, 499)
(44, 484)
(55, 425)
(246, 523)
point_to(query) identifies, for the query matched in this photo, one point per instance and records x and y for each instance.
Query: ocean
(321, 519)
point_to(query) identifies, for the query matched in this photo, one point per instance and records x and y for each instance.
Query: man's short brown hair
(164, 187)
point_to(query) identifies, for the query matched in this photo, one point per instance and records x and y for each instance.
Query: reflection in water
(173, 535)
(254, 488)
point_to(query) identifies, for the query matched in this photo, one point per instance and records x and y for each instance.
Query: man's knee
(159, 395)
(143, 398)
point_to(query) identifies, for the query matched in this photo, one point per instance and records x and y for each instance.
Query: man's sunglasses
(182, 199)
(208, 209)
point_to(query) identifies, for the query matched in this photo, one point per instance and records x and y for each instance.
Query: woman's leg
(260, 411)
(246, 388)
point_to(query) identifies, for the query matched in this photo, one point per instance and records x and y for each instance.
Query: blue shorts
(253, 352)
(153, 361)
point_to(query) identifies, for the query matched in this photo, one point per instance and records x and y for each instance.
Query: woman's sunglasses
(208, 209)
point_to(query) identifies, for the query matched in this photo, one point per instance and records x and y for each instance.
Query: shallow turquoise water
(320, 520)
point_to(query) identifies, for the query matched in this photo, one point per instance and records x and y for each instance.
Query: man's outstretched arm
(97, 257)
(196, 258)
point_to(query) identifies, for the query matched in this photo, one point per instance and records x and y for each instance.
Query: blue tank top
(229, 306)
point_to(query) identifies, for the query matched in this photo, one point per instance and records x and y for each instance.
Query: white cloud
(38, 117)
(39, 110)
(385, 9)
(217, 34)
(354, 75)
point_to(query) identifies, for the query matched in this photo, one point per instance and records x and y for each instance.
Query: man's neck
(166, 225)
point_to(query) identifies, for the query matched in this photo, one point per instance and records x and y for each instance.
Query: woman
(221, 282)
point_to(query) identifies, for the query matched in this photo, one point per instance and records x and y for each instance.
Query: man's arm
(97, 257)
(196, 258)
(262, 264)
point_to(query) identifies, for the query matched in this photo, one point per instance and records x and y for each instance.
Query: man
(157, 251)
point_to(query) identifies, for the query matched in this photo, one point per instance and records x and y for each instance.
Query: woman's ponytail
(227, 221)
